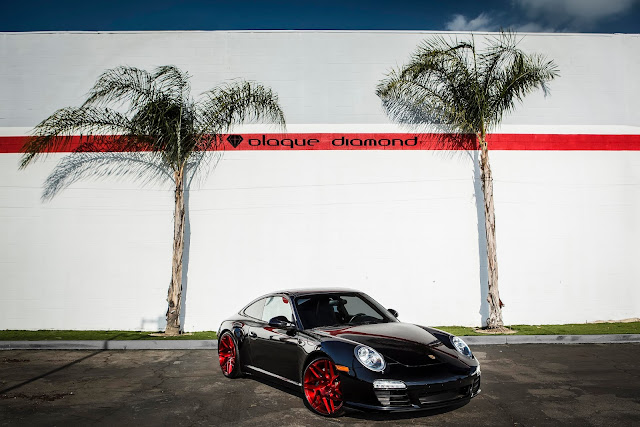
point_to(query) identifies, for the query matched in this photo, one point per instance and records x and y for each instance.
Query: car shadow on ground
(358, 414)
(406, 415)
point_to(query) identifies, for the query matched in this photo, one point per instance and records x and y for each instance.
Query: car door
(253, 319)
(276, 350)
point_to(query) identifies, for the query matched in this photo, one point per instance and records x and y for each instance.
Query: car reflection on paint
(341, 348)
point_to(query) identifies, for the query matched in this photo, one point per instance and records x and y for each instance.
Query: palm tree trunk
(493, 297)
(175, 288)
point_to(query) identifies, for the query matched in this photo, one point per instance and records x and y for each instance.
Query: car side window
(255, 310)
(277, 306)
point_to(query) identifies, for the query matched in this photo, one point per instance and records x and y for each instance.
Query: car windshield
(337, 310)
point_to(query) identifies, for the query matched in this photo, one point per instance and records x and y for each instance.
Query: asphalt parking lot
(523, 385)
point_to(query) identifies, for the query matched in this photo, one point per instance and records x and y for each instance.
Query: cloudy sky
(603, 16)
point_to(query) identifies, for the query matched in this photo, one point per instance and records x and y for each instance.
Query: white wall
(399, 225)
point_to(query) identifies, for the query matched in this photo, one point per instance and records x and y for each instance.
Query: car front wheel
(322, 389)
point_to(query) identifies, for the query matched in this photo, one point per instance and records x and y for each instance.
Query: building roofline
(310, 31)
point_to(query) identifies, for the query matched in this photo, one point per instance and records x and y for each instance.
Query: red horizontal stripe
(562, 142)
(12, 144)
(394, 141)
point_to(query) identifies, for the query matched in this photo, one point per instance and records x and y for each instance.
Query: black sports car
(342, 348)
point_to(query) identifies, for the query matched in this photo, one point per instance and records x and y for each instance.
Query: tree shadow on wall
(145, 169)
(451, 144)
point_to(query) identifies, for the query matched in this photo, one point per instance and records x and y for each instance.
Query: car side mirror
(281, 322)
(392, 311)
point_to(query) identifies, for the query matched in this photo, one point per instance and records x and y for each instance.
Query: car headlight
(461, 346)
(369, 358)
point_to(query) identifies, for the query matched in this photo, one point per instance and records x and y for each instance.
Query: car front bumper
(423, 394)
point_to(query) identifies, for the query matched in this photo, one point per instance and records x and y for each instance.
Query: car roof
(304, 291)
(307, 291)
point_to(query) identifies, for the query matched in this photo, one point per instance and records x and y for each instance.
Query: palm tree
(133, 110)
(450, 87)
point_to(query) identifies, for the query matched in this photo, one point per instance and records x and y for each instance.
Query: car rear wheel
(322, 389)
(228, 355)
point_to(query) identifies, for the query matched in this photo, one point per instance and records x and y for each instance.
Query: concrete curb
(213, 345)
(111, 345)
(552, 339)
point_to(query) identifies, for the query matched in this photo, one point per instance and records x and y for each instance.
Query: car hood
(405, 343)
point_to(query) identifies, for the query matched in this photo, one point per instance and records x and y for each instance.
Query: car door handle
(253, 335)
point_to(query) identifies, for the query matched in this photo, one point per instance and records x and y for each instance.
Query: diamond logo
(234, 140)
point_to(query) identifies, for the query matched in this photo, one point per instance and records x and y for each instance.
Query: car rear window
(255, 310)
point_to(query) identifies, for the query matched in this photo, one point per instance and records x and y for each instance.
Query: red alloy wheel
(227, 355)
(322, 389)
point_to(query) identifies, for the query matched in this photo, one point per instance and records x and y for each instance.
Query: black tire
(321, 388)
(228, 355)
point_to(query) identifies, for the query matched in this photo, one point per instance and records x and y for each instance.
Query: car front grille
(425, 397)
(443, 396)
(393, 398)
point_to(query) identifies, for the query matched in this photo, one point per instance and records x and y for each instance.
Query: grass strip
(570, 329)
(47, 335)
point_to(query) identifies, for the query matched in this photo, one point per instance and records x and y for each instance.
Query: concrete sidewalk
(212, 344)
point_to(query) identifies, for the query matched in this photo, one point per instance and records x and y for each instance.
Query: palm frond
(142, 168)
(524, 74)
(448, 85)
(153, 111)
(172, 82)
(508, 75)
(169, 127)
(238, 102)
(437, 84)
(56, 131)
(133, 87)
(412, 101)
(122, 85)
(495, 58)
